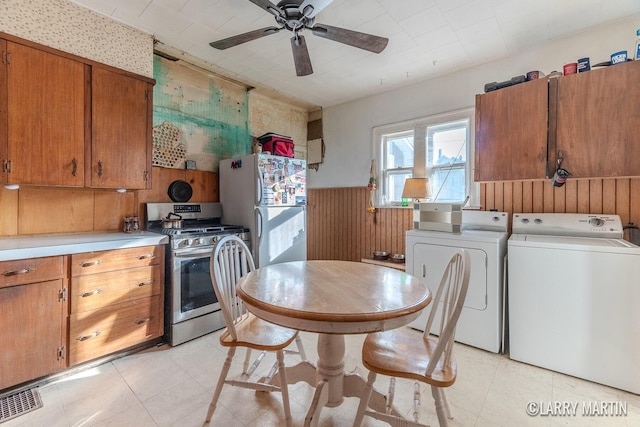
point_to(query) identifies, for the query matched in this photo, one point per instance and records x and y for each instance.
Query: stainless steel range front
(191, 306)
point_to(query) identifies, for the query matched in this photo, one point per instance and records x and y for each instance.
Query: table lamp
(416, 189)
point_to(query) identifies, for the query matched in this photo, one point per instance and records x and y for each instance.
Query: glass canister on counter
(131, 224)
(128, 225)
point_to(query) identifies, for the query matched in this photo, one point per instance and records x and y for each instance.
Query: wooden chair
(397, 353)
(230, 260)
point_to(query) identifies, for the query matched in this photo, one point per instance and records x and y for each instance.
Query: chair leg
(247, 360)
(303, 355)
(447, 408)
(440, 406)
(364, 399)
(284, 388)
(221, 380)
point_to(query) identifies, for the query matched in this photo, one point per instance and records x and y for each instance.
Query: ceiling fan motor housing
(294, 19)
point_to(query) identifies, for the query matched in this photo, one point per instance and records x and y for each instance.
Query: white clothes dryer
(484, 236)
(574, 294)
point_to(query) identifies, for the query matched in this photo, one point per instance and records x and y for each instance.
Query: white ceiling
(427, 38)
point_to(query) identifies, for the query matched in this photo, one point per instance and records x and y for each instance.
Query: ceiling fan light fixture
(295, 16)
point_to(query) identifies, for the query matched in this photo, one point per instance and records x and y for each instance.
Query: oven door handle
(194, 254)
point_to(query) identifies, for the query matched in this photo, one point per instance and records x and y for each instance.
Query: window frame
(418, 127)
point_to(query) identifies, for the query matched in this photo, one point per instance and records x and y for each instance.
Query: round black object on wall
(180, 191)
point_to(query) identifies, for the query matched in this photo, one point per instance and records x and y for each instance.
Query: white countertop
(12, 248)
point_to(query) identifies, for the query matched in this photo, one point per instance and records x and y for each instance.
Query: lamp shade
(416, 188)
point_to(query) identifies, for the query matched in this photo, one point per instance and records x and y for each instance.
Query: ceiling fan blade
(301, 56)
(357, 39)
(315, 7)
(243, 38)
(268, 6)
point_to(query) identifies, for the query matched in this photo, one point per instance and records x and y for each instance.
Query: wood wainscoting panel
(53, 210)
(8, 212)
(110, 209)
(339, 226)
(204, 183)
(620, 196)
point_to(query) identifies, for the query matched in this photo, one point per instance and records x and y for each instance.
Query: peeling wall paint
(211, 113)
(218, 119)
(270, 115)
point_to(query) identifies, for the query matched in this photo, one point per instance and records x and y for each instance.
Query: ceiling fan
(295, 16)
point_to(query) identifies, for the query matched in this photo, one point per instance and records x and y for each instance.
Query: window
(437, 147)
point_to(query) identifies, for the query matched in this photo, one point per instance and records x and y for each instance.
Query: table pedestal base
(329, 379)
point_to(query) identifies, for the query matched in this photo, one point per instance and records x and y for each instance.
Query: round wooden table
(332, 298)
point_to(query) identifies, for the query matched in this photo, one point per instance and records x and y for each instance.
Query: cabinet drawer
(114, 287)
(96, 333)
(31, 270)
(119, 259)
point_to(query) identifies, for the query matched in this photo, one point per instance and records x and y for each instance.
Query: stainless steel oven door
(192, 290)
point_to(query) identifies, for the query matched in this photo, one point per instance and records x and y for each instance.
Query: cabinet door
(598, 122)
(511, 132)
(3, 112)
(120, 130)
(46, 117)
(32, 319)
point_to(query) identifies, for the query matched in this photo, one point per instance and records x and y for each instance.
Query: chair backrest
(230, 260)
(452, 291)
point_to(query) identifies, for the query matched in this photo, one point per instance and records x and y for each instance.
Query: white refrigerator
(267, 194)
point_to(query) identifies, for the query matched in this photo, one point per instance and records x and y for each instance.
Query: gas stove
(200, 224)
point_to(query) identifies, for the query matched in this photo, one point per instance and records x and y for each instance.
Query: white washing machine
(484, 236)
(574, 297)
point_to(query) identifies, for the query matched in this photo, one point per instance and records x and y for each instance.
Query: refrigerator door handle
(259, 190)
(258, 226)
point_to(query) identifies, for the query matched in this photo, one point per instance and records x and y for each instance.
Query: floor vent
(20, 403)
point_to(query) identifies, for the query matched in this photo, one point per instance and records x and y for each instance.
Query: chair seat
(257, 334)
(401, 353)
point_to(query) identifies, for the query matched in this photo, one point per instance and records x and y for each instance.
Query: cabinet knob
(141, 321)
(146, 256)
(74, 170)
(145, 283)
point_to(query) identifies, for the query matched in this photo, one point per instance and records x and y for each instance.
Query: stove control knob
(525, 220)
(189, 242)
(596, 222)
(537, 221)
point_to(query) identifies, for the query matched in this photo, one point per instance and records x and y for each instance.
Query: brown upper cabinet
(587, 123)
(45, 138)
(598, 122)
(72, 122)
(511, 132)
(120, 130)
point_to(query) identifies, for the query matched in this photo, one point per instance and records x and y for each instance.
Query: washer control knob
(596, 222)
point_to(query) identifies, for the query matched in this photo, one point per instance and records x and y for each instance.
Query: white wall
(347, 128)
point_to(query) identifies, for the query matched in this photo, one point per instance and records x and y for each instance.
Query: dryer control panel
(566, 224)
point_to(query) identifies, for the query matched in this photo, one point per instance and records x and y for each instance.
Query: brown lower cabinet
(116, 300)
(33, 319)
(58, 312)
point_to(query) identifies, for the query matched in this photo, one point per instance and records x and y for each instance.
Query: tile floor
(167, 386)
